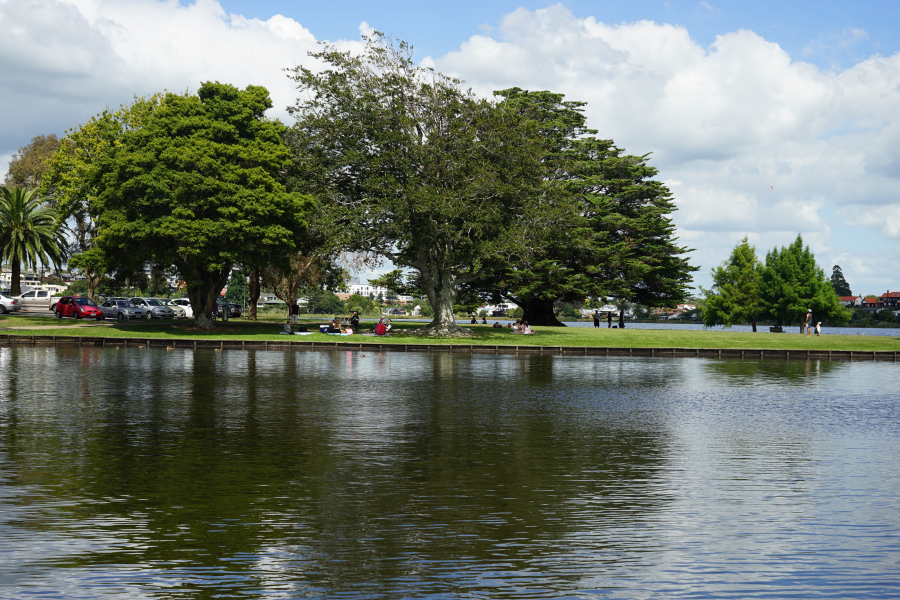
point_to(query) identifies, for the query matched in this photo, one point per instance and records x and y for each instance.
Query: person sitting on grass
(335, 326)
(525, 327)
(388, 325)
(497, 325)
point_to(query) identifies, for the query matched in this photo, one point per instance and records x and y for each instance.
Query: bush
(516, 313)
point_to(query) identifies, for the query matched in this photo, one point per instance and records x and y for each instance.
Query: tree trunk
(538, 312)
(92, 280)
(15, 283)
(253, 293)
(441, 291)
(203, 289)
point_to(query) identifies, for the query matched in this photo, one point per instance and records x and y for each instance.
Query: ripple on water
(283, 475)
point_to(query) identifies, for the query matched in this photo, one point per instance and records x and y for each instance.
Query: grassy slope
(546, 336)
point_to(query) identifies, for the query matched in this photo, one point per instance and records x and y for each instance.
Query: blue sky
(819, 32)
(766, 119)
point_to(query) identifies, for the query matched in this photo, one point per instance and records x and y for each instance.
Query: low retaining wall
(9, 340)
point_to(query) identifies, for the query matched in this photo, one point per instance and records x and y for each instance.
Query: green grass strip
(483, 334)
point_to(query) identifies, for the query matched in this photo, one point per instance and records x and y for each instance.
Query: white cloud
(62, 61)
(729, 122)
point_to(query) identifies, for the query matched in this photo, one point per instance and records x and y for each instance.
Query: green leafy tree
(322, 301)
(735, 295)
(838, 283)
(792, 283)
(287, 277)
(71, 181)
(28, 234)
(365, 306)
(607, 228)
(412, 167)
(196, 185)
(238, 289)
(29, 165)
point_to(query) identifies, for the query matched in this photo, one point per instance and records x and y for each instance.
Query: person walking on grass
(819, 329)
(808, 323)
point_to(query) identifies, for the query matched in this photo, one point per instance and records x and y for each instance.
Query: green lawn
(242, 329)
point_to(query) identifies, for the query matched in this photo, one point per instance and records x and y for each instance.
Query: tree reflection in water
(337, 474)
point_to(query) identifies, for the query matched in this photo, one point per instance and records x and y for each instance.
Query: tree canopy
(607, 226)
(838, 283)
(411, 166)
(196, 184)
(791, 283)
(735, 295)
(28, 166)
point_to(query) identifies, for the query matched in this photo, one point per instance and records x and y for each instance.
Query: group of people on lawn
(382, 327)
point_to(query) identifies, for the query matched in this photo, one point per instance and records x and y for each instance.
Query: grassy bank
(483, 334)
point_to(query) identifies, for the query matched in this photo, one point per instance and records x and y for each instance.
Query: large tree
(607, 229)
(28, 234)
(838, 283)
(28, 166)
(735, 296)
(413, 167)
(196, 186)
(791, 283)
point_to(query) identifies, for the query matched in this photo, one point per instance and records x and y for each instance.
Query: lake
(143, 473)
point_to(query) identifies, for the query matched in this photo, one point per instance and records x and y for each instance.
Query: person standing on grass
(354, 321)
(596, 319)
(808, 323)
(609, 320)
(295, 312)
(819, 329)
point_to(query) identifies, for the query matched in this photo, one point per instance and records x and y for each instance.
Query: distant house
(891, 298)
(851, 300)
(397, 312)
(872, 304)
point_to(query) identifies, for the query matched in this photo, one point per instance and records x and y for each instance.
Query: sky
(766, 119)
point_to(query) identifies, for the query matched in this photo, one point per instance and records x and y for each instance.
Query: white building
(366, 290)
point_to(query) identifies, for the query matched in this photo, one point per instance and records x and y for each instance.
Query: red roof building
(891, 298)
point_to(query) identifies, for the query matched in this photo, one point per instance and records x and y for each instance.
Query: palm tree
(28, 234)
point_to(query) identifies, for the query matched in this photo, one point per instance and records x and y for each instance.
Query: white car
(8, 304)
(37, 300)
(185, 303)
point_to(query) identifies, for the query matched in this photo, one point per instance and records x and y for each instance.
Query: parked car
(179, 311)
(36, 300)
(234, 310)
(77, 307)
(155, 308)
(121, 309)
(8, 304)
(185, 303)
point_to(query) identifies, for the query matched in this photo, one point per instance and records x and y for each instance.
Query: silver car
(180, 313)
(122, 309)
(155, 309)
(8, 304)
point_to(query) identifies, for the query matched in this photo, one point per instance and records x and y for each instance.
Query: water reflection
(397, 475)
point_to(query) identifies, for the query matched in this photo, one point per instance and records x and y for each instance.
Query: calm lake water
(153, 474)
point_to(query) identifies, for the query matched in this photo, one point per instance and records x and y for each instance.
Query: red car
(78, 307)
